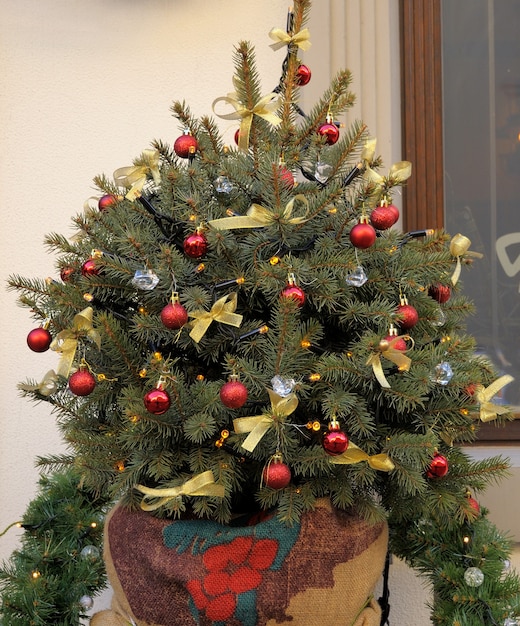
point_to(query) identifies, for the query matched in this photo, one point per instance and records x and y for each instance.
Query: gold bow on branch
(46, 387)
(282, 38)
(265, 108)
(66, 341)
(258, 425)
(459, 246)
(222, 311)
(258, 216)
(488, 410)
(135, 176)
(388, 351)
(199, 485)
(398, 173)
(353, 454)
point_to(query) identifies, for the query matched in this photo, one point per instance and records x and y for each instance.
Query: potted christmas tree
(269, 379)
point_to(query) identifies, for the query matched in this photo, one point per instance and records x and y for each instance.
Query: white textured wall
(84, 88)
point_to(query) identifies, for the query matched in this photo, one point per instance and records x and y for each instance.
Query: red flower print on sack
(231, 569)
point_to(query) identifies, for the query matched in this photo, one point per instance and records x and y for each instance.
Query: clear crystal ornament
(322, 172)
(90, 553)
(223, 184)
(510, 621)
(442, 374)
(145, 280)
(357, 278)
(506, 565)
(473, 577)
(283, 386)
(86, 602)
(440, 318)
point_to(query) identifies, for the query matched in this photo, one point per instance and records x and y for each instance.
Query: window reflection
(481, 92)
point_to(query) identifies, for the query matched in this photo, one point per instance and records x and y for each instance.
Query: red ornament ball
(174, 315)
(66, 274)
(474, 504)
(408, 316)
(237, 135)
(363, 235)
(39, 339)
(89, 268)
(106, 201)
(400, 344)
(395, 211)
(330, 132)
(276, 475)
(233, 394)
(185, 146)
(195, 245)
(287, 178)
(438, 467)
(294, 293)
(82, 383)
(157, 401)
(383, 217)
(335, 441)
(303, 75)
(441, 293)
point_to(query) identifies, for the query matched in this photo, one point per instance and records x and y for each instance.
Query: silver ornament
(473, 577)
(86, 602)
(145, 280)
(442, 374)
(90, 553)
(283, 386)
(357, 278)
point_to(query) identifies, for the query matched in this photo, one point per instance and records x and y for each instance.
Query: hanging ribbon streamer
(459, 246)
(136, 176)
(353, 454)
(258, 425)
(265, 108)
(46, 387)
(222, 311)
(488, 410)
(388, 351)
(66, 341)
(281, 39)
(258, 216)
(200, 485)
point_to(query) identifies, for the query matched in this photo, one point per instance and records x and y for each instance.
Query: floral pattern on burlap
(233, 561)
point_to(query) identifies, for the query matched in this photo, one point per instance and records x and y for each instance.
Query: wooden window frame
(422, 139)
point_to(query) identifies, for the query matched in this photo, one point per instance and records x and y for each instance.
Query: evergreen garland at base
(53, 577)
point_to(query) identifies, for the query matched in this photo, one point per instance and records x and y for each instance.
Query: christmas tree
(241, 328)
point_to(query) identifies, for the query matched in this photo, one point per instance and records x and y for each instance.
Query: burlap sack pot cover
(197, 572)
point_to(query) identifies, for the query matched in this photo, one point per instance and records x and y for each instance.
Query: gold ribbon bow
(459, 246)
(66, 341)
(222, 311)
(353, 454)
(258, 425)
(398, 173)
(46, 387)
(136, 176)
(199, 485)
(258, 216)
(400, 359)
(368, 152)
(488, 410)
(264, 108)
(282, 38)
